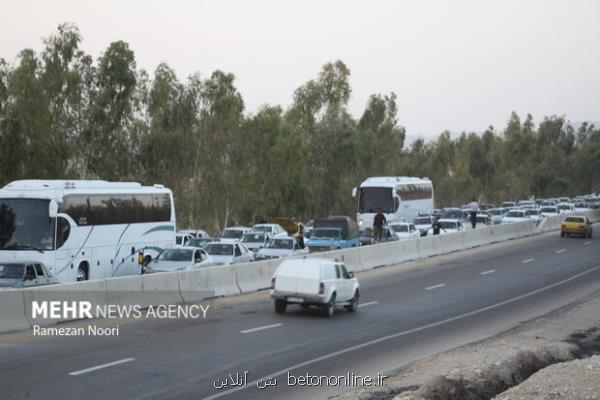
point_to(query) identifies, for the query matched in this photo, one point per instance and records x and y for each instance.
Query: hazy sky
(457, 65)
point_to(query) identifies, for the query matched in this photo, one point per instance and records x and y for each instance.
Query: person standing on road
(378, 222)
(436, 226)
(473, 207)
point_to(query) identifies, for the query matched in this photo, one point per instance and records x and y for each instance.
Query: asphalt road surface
(407, 312)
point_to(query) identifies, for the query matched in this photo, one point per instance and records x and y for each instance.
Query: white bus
(398, 198)
(85, 229)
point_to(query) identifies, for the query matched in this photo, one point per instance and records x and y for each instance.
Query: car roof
(448, 220)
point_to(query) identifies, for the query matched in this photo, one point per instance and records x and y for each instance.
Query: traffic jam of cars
(404, 204)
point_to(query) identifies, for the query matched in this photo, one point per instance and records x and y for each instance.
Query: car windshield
(176, 255)
(508, 204)
(253, 238)
(324, 233)
(548, 209)
(373, 198)
(400, 228)
(574, 219)
(281, 244)
(448, 224)
(262, 228)
(458, 214)
(232, 234)
(422, 221)
(11, 271)
(516, 214)
(219, 249)
(495, 211)
(564, 207)
(533, 212)
(25, 224)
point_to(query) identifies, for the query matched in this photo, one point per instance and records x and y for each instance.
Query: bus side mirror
(53, 209)
(354, 192)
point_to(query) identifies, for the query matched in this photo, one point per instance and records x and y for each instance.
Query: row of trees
(65, 115)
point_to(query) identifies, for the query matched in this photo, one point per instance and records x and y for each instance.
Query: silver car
(25, 275)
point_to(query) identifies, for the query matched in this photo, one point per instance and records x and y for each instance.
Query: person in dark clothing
(436, 227)
(378, 222)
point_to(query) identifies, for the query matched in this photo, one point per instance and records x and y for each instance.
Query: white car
(482, 219)
(404, 230)
(515, 216)
(229, 253)
(255, 240)
(566, 208)
(549, 211)
(179, 259)
(196, 233)
(314, 282)
(534, 215)
(281, 247)
(182, 239)
(448, 226)
(274, 230)
(423, 223)
(526, 204)
(233, 234)
(497, 214)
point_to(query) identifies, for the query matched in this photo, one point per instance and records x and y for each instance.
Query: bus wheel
(83, 272)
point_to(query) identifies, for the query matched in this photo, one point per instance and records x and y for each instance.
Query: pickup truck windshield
(325, 233)
(25, 224)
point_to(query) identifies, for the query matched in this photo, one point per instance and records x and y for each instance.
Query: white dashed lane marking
(261, 328)
(102, 366)
(435, 286)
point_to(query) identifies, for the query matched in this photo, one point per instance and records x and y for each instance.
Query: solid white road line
(261, 328)
(370, 303)
(586, 243)
(491, 271)
(435, 286)
(399, 334)
(560, 251)
(528, 260)
(102, 366)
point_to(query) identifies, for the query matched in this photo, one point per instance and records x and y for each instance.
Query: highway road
(408, 312)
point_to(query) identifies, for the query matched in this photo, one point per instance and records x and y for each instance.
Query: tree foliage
(64, 115)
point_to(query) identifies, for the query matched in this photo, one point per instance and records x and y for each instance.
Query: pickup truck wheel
(329, 309)
(280, 306)
(353, 306)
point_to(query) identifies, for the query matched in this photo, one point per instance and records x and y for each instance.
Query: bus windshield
(373, 198)
(25, 224)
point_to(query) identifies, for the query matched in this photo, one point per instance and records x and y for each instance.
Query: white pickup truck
(314, 282)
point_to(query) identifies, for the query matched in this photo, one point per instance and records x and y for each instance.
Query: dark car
(24, 275)
(368, 236)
